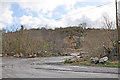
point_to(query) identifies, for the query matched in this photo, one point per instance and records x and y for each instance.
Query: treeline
(60, 42)
(40, 42)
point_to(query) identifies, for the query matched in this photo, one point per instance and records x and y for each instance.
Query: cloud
(30, 21)
(6, 13)
(38, 22)
(2, 26)
(66, 0)
(41, 7)
(93, 17)
(50, 14)
(47, 5)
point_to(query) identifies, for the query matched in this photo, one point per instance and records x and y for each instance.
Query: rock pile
(96, 60)
(76, 59)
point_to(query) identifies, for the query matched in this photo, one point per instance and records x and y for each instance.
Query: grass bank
(86, 63)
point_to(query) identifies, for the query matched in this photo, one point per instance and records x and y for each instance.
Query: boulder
(74, 59)
(94, 60)
(6, 55)
(17, 55)
(103, 60)
(21, 55)
(35, 55)
(80, 54)
(67, 54)
(30, 56)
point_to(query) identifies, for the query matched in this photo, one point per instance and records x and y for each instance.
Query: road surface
(50, 67)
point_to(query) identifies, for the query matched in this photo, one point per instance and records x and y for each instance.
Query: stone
(30, 55)
(94, 60)
(74, 59)
(17, 55)
(21, 54)
(35, 55)
(103, 60)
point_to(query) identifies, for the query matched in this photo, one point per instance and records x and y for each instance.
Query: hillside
(58, 41)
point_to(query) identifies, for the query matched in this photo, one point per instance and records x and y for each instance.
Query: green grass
(86, 63)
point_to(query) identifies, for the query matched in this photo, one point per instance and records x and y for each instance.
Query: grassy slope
(107, 64)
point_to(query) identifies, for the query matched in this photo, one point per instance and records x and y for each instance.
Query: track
(50, 67)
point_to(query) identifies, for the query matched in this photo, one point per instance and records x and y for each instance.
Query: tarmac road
(50, 67)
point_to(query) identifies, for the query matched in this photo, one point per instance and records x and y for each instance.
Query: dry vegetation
(101, 43)
(60, 41)
(38, 42)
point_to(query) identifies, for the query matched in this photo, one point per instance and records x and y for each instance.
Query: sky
(54, 13)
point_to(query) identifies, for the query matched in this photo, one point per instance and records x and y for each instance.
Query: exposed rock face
(103, 60)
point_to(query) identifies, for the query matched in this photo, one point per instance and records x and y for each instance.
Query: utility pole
(118, 29)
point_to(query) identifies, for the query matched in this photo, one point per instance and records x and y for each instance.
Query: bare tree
(110, 47)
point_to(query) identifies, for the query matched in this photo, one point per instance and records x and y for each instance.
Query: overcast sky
(40, 13)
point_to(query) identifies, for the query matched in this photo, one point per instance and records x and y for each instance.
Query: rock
(66, 54)
(80, 54)
(17, 55)
(21, 55)
(94, 60)
(39, 52)
(30, 55)
(74, 59)
(14, 55)
(103, 60)
(6, 55)
(83, 55)
(35, 55)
